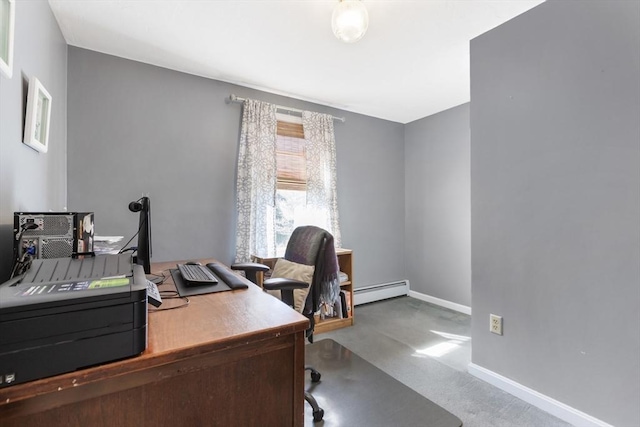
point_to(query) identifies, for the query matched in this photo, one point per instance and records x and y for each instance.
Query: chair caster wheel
(317, 415)
(315, 377)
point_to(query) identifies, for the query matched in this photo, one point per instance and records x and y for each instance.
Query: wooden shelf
(327, 325)
(345, 261)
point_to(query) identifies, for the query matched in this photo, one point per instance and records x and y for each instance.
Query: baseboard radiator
(379, 292)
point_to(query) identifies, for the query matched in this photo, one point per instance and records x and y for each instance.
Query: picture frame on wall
(7, 25)
(37, 122)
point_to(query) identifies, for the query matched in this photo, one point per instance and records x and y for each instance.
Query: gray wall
(136, 128)
(29, 180)
(555, 207)
(437, 205)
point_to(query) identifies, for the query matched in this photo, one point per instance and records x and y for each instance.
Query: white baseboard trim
(441, 302)
(539, 400)
(367, 294)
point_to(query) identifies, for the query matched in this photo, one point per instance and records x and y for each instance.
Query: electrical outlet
(495, 324)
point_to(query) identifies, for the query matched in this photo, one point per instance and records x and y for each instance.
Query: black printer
(65, 314)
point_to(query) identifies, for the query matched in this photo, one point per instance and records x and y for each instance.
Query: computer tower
(52, 234)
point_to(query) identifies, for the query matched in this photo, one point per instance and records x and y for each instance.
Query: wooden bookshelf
(345, 261)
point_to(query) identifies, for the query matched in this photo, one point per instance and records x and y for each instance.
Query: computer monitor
(143, 251)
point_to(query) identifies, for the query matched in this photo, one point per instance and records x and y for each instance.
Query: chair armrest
(284, 284)
(249, 266)
(251, 270)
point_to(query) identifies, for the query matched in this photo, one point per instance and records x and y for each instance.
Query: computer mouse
(193, 263)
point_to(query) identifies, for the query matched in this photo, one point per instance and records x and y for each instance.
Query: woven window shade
(290, 157)
(293, 130)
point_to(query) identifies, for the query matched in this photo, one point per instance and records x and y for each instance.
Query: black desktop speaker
(52, 234)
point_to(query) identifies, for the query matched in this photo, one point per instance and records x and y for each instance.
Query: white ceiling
(413, 61)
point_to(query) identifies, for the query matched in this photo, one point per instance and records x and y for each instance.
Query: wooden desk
(228, 359)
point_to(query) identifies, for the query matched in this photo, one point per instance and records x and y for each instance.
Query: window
(304, 197)
(291, 186)
(290, 158)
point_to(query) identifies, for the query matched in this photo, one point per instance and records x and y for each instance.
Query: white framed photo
(7, 24)
(36, 127)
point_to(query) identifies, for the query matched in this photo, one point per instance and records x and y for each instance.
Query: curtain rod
(234, 98)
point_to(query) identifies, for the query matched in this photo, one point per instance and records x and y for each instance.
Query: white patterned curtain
(256, 182)
(322, 191)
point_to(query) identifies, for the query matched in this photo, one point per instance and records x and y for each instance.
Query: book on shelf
(337, 309)
(347, 297)
(343, 303)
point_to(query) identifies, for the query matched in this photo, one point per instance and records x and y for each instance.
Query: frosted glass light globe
(350, 20)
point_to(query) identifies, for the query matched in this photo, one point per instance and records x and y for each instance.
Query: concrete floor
(428, 348)
(429, 330)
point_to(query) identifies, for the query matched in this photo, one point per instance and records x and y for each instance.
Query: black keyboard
(195, 275)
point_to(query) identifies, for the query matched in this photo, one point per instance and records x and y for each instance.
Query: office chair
(307, 245)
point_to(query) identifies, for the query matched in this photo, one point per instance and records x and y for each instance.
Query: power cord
(168, 294)
(133, 248)
(23, 263)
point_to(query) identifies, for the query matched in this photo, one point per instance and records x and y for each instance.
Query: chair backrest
(306, 246)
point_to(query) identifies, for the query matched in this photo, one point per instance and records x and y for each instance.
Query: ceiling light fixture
(350, 20)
